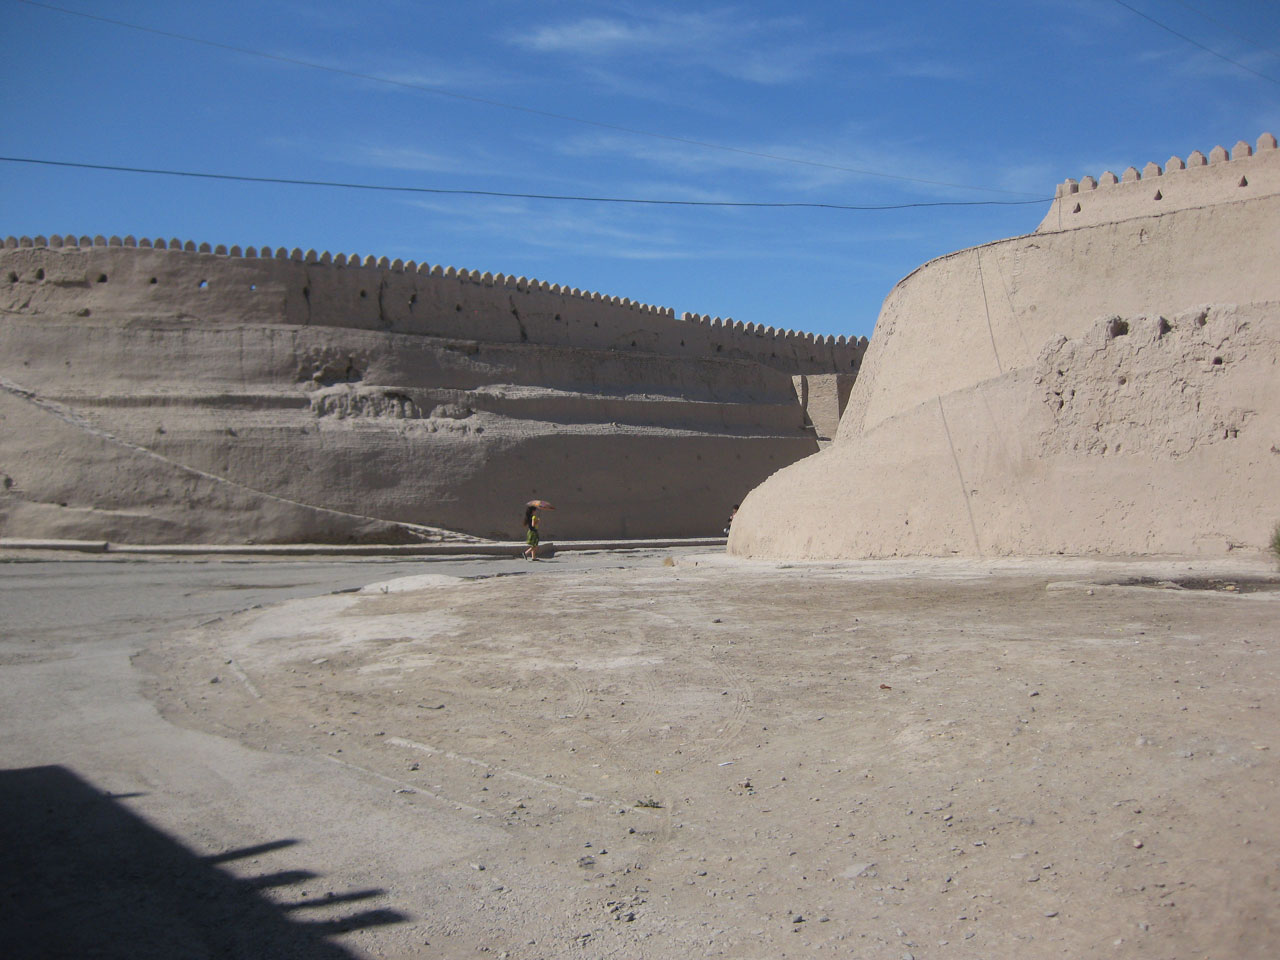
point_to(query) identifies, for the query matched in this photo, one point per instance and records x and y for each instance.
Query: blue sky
(847, 103)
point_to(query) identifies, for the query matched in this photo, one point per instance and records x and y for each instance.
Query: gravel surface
(661, 755)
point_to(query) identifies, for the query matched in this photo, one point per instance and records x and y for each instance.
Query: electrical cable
(1228, 28)
(523, 196)
(1196, 43)
(439, 91)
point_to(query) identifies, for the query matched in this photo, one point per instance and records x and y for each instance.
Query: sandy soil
(717, 758)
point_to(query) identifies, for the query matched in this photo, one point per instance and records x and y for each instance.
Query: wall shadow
(82, 876)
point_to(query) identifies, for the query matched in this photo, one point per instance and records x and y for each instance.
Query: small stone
(797, 919)
(1137, 844)
(1052, 913)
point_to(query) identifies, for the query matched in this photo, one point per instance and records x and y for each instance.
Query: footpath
(477, 548)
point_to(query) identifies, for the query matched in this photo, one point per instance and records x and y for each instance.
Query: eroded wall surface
(153, 391)
(1108, 388)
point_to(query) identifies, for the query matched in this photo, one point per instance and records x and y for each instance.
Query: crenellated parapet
(172, 279)
(1243, 173)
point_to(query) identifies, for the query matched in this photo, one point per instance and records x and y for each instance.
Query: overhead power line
(440, 91)
(1197, 43)
(1227, 27)
(390, 188)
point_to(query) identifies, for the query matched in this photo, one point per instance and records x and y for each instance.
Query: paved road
(124, 836)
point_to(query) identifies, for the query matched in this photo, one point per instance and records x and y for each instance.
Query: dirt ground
(710, 757)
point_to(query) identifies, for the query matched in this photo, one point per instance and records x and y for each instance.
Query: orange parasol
(540, 504)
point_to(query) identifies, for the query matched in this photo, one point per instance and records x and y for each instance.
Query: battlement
(128, 277)
(1244, 173)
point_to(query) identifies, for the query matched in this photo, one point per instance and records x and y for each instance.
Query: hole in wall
(1158, 196)
(458, 308)
(1163, 327)
(364, 294)
(154, 281)
(102, 277)
(13, 277)
(1217, 361)
(1117, 327)
(557, 317)
(1076, 208)
(40, 274)
(1244, 181)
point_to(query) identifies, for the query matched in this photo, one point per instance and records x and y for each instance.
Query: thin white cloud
(595, 37)
(763, 51)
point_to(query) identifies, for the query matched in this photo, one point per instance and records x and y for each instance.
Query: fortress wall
(271, 432)
(823, 397)
(79, 360)
(1221, 177)
(1158, 440)
(137, 495)
(981, 312)
(127, 279)
(1112, 388)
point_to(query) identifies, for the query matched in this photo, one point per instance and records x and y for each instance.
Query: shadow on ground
(83, 876)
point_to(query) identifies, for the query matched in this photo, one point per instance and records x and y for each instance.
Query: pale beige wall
(276, 399)
(823, 397)
(1197, 181)
(117, 278)
(984, 311)
(949, 444)
(1155, 449)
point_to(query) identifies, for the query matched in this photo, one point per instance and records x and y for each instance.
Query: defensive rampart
(130, 278)
(949, 443)
(161, 391)
(1198, 181)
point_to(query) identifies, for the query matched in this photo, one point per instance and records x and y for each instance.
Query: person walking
(531, 536)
